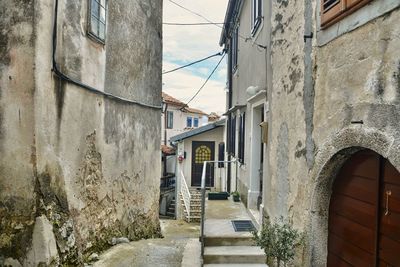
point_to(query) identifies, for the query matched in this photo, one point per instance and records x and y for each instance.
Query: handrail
(186, 195)
(203, 200)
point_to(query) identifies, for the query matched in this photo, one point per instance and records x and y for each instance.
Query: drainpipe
(165, 138)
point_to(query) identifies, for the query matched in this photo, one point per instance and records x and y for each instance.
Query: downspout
(309, 93)
(229, 178)
(165, 138)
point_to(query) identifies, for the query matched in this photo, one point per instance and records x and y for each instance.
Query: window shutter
(334, 10)
(330, 9)
(221, 154)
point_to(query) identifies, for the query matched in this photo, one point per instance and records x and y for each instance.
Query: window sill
(96, 39)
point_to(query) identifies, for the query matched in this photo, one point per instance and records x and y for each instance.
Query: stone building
(79, 160)
(332, 156)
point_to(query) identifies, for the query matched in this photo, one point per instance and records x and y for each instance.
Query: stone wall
(76, 168)
(320, 93)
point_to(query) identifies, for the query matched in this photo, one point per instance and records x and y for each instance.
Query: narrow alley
(229, 133)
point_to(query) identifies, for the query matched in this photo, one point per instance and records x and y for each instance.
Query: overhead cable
(195, 62)
(213, 23)
(190, 24)
(208, 78)
(195, 13)
(66, 78)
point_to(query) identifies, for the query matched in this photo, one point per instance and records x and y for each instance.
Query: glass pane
(94, 26)
(102, 14)
(94, 8)
(102, 31)
(103, 3)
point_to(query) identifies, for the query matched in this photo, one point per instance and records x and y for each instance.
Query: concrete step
(236, 265)
(170, 214)
(234, 254)
(212, 241)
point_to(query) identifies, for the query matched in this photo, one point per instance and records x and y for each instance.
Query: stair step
(234, 254)
(228, 241)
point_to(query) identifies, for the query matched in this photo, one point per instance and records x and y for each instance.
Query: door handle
(388, 194)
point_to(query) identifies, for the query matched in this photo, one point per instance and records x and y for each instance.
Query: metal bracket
(309, 36)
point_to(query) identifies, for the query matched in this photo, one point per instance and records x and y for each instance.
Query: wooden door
(364, 213)
(389, 230)
(202, 151)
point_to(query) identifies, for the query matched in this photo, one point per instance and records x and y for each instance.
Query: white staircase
(190, 199)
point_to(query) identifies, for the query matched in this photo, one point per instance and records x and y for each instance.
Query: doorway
(202, 151)
(364, 213)
(256, 159)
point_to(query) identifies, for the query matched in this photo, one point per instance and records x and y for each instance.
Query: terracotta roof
(167, 150)
(173, 101)
(213, 117)
(194, 110)
(170, 100)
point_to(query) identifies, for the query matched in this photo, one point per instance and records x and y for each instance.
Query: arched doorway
(364, 213)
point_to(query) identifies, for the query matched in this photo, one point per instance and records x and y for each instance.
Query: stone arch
(329, 160)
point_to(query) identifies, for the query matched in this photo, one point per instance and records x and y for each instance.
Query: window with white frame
(256, 15)
(97, 19)
(189, 122)
(196, 122)
(234, 49)
(170, 119)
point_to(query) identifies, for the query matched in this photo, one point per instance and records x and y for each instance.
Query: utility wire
(213, 23)
(190, 24)
(208, 78)
(195, 62)
(195, 13)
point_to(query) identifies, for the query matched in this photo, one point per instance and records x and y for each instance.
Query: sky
(185, 44)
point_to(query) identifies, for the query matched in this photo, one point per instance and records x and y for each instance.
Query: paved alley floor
(179, 238)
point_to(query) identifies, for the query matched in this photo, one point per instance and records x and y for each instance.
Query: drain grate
(243, 226)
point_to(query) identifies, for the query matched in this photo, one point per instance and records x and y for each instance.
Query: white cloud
(190, 43)
(183, 85)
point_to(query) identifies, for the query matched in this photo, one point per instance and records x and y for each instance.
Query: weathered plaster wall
(251, 58)
(17, 183)
(87, 164)
(317, 91)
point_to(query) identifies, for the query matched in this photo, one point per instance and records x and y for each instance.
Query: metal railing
(203, 200)
(185, 192)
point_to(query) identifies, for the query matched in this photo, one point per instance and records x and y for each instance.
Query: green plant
(235, 194)
(279, 241)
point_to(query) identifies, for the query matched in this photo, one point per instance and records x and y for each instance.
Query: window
(232, 136)
(256, 15)
(189, 122)
(97, 19)
(170, 119)
(196, 122)
(234, 50)
(334, 10)
(242, 129)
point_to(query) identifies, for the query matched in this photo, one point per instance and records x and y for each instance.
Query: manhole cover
(243, 226)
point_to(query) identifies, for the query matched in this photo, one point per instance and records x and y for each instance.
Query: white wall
(217, 136)
(179, 122)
